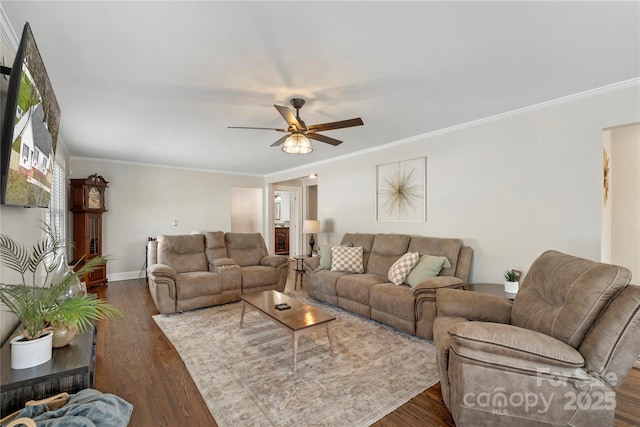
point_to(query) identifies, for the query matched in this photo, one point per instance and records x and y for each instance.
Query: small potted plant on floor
(511, 283)
(44, 297)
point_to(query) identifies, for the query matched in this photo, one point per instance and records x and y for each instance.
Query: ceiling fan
(297, 142)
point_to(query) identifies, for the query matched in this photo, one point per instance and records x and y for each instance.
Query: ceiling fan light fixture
(297, 143)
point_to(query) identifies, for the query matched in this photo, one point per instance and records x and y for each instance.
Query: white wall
(509, 186)
(143, 201)
(247, 215)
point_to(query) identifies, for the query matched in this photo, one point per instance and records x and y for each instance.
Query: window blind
(56, 217)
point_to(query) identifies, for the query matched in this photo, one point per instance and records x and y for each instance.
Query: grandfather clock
(87, 205)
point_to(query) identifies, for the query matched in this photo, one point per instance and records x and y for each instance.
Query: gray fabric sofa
(186, 272)
(371, 294)
(553, 356)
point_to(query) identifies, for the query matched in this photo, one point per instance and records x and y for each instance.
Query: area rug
(245, 375)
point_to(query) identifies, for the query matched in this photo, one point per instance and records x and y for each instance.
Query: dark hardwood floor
(136, 362)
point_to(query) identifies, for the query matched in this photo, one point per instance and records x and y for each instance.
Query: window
(25, 153)
(56, 217)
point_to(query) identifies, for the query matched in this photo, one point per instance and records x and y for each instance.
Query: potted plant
(41, 300)
(511, 284)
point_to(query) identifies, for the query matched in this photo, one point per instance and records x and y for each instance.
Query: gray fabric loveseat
(186, 272)
(368, 290)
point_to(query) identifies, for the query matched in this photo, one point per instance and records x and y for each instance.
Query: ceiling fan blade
(280, 141)
(337, 125)
(250, 127)
(288, 117)
(323, 138)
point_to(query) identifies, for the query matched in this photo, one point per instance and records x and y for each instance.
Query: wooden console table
(282, 241)
(70, 369)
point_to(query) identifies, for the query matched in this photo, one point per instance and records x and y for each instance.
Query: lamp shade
(310, 226)
(297, 143)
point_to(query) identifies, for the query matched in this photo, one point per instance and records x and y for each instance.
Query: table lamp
(311, 226)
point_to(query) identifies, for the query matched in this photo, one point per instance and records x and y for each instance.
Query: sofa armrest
(274, 260)
(433, 284)
(473, 306)
(311, 264)
(162, 271)
(162, 286)
(499, 343)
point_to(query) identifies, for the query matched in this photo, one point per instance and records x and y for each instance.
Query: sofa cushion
(214, 245)
(198, 283)
(349, 259)
(184, 253)
(449, 248)
(386, 250)
(399, 270)
(355, 287)
(562, 295)
(326, 281)
(428, 266)
(245, 248)
(394, 300)
(258, 275)
(359, 239)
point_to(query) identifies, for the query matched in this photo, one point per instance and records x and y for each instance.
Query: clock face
(95, 198)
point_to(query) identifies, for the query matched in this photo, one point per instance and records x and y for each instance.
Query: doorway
(620, 240)
(293, 201)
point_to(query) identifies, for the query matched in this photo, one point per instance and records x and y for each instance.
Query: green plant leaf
(39, 307)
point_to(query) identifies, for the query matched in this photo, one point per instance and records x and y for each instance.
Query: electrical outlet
(175, 222)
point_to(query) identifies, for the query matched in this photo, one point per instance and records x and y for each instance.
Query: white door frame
(295, 223)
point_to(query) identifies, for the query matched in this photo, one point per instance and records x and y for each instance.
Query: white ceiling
(159, 82)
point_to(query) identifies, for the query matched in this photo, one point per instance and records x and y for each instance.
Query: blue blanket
(87, 408)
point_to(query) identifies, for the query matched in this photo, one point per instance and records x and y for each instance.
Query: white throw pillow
(344, 258)
(399, 270)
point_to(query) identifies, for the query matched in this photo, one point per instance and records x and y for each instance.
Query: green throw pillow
(325, 256)
(428, 266)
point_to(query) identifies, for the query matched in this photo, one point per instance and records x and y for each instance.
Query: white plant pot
(29, 353)
(511, 287)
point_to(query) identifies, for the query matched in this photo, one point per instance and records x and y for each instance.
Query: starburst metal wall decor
(401, 191)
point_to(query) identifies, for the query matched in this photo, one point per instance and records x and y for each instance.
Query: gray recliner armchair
(554, 356)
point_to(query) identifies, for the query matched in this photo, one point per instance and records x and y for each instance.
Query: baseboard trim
(126, 275)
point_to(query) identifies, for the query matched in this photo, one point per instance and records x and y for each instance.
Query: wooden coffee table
(299, 319)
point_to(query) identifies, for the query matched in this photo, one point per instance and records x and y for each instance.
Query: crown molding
(6, 29)
(154, 165)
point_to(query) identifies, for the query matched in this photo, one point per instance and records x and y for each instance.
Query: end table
(299, 270)
(71, 369)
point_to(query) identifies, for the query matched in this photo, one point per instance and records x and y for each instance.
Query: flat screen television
(29, 131)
